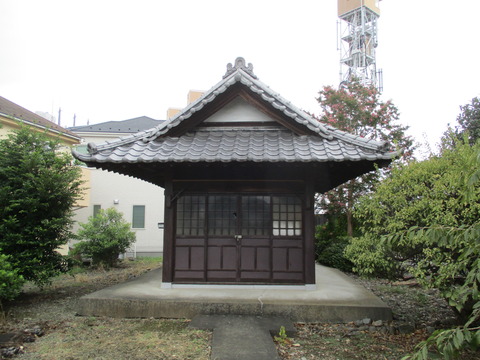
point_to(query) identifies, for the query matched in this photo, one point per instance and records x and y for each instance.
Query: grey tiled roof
(238, 146)
(125, 126)
(268, 145)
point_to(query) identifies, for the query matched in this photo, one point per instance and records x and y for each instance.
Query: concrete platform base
(337, 298)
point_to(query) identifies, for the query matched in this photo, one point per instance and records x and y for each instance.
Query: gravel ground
(417, 312)
(411, 303)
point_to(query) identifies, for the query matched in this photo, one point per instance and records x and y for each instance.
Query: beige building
(140, 202)
(13, 116)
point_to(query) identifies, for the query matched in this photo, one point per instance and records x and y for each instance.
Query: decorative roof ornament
(92, 148)
(239, 64)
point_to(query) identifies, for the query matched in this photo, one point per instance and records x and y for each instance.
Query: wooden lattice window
(222, 215)
(256, 215)
(191, 215)
(248, 215)
(287, 216)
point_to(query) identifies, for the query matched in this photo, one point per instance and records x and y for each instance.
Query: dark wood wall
(267, 259)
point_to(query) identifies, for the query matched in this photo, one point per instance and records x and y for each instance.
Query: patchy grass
(58, 300)
(106, 338)
(337, 342)
(69, 337)
(388, 288)
(333, 342)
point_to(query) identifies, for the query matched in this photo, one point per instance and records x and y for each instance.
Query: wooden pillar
(309, 216)
(169, 235)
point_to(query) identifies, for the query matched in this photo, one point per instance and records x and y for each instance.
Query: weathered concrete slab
(239, 337)
(337, 298)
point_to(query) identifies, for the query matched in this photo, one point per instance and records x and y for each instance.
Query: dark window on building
(96, 209)
(138, 217)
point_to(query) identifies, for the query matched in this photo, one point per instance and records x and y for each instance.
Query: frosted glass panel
(287, 216)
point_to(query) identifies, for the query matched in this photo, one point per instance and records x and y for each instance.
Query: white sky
(114, 60)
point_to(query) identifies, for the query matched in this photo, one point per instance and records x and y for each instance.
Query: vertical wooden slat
(309, 236)
(169, 235)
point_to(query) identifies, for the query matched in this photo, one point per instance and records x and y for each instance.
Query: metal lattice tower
(357, 41)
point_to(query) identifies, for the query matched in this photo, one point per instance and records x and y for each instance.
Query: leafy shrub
(11, 281)
(331, 241)
(420, 194)
(333, 255)
(38, 189)
(106, 235)
(370, 258)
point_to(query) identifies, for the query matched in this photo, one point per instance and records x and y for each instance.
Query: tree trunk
(3, 316)
(349, 208)
(349, 223)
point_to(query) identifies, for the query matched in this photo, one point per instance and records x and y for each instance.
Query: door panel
(287, 255)
(189, 262)
(255, 228)
(221, 260)
(255, 259)
(182, 258)
(222, 254)
(222, 247)
(189, 258)
(248, 259)
(295, 260)
(190, 241)
(222, 263)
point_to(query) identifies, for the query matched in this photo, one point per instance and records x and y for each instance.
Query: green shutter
(138, 218)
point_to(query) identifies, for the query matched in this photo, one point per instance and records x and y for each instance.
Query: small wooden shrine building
(240, 168)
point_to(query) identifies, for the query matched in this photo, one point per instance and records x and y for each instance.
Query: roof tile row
(231, 146)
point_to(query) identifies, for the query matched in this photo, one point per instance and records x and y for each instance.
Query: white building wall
(121, 192)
